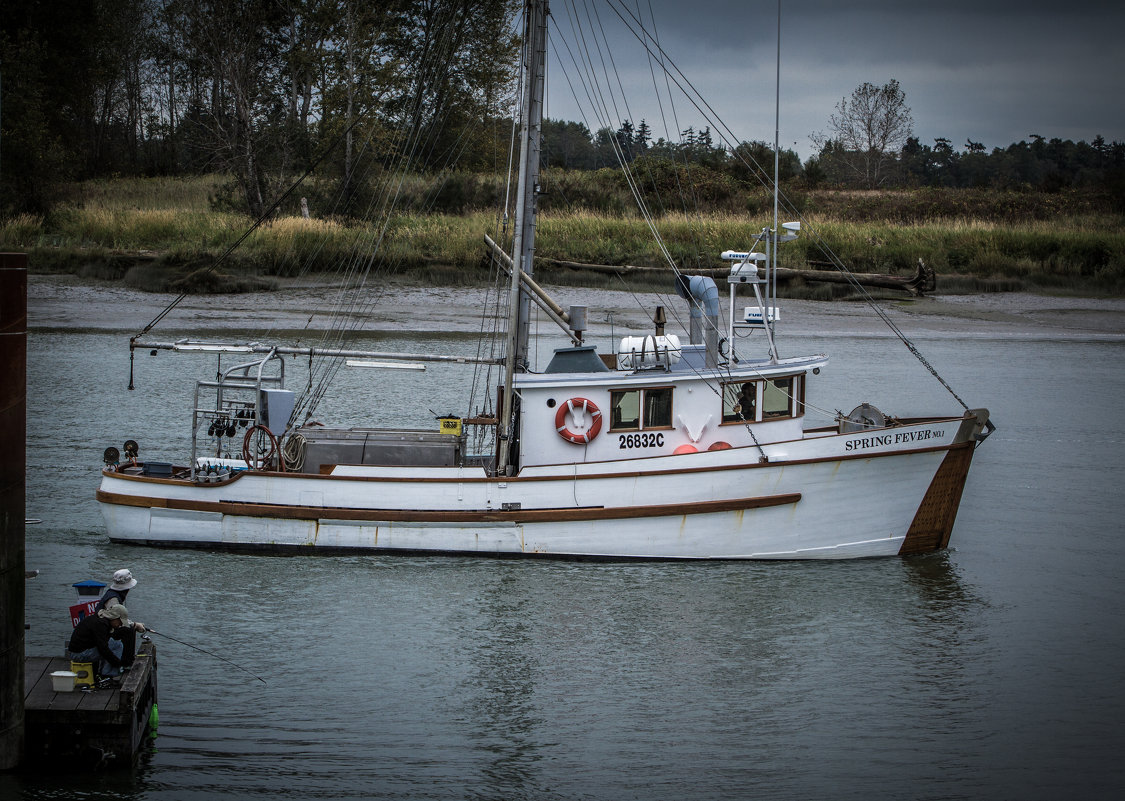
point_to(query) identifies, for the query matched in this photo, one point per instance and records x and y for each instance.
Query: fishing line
(205, 651)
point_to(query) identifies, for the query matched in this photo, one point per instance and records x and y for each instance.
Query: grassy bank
(160, 234)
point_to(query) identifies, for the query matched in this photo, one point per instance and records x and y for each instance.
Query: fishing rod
(203, 650)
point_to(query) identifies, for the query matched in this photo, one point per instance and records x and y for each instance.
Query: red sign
(79, 611)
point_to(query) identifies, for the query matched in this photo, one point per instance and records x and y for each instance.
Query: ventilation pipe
(704, 297)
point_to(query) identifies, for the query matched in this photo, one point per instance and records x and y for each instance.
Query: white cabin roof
(749, 369)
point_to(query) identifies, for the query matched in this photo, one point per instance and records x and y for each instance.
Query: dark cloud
(995, 72)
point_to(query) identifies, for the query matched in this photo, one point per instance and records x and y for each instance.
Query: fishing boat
(673, 446)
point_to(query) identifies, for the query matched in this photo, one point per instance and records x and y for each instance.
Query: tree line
(870, 144)
(263, 90)
(259, 89)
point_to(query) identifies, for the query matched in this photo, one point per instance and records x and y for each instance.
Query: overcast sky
(992, 71)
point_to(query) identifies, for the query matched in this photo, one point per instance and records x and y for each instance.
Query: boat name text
(898, 437)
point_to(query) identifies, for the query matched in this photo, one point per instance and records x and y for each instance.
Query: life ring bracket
(579, 409)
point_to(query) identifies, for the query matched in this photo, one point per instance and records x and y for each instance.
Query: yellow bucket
(84, 671)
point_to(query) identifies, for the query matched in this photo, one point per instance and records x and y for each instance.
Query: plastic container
(63, 680)
(84, 672)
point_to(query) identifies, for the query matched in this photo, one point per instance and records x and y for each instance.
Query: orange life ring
(587, 407)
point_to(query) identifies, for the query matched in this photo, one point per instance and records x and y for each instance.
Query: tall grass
(190, 193)
(142, 229)
(21, 232)
(168, 227)
(1088, 254)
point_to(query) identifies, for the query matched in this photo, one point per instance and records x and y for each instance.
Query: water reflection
(505, 669)
(985, 671)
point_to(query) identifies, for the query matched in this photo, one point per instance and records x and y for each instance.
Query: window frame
(641, 412)
(737, 387)
(795, 396)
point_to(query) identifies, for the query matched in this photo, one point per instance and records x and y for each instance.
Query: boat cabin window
(783, 397)
(640, 409)
(740, 401)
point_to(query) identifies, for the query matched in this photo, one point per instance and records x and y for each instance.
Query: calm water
(993, 670)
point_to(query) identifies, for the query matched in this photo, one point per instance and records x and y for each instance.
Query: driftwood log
(924, 280)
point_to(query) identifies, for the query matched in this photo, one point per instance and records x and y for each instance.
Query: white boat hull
(826, 496)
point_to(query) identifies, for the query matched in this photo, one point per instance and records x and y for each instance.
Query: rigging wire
(673, 74)
(592, 89)
(416, 145)
(415, 141)
(257, 223)
(585, 69)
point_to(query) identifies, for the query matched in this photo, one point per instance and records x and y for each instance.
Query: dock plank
(41, 694)
(99, 725)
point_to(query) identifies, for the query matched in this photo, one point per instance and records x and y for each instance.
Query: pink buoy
(686, 449)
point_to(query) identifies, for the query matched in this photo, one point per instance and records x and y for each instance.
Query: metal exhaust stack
(704, 297)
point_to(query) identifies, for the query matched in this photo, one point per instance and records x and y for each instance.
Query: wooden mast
(532, 70)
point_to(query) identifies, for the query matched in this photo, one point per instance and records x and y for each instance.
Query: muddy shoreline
(66, 302)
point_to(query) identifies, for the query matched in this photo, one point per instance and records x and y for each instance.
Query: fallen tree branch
(923, 280)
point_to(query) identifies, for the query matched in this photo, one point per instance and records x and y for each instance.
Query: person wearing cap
(123, 581)
(94, 640)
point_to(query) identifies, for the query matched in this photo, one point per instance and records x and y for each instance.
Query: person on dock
(94, 640)
(123, 581)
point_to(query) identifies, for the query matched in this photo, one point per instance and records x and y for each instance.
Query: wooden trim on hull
(328, 514)
(277, 549)
(755, 465)
(933, 522)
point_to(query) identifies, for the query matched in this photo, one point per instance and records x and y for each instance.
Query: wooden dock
(101, 728)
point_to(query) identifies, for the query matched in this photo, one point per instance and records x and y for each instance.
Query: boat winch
(862, 418)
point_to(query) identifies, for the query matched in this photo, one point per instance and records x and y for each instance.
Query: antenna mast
(771, 285)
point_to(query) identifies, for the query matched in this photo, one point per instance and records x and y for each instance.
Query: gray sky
(992, 71)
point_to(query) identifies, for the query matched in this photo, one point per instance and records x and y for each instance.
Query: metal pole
(523, 247)
(13, 432)
(776, 177)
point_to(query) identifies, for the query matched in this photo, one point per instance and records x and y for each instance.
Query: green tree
(625, 136)
(642, 137)
(238, 46)
(73, 103)
(568, 145)
(458, 61)
(752, 163)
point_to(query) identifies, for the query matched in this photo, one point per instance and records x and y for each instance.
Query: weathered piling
(13, 415)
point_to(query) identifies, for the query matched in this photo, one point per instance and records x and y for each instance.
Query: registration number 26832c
(640, 441)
